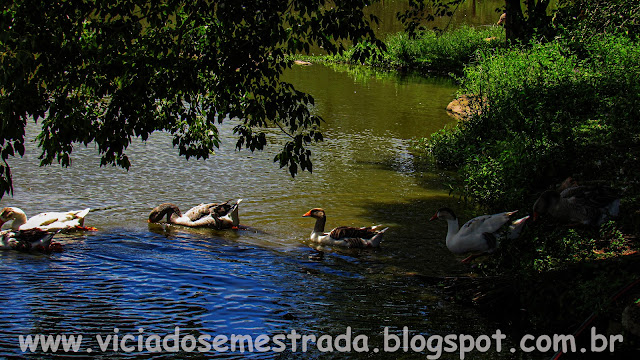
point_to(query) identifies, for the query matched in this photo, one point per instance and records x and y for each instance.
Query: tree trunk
(515, 23)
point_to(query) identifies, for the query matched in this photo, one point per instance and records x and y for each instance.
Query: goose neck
(19, 219)
(452, 230)
(319, 226)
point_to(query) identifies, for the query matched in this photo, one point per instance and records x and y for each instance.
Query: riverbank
(550, 110)
(429, 53)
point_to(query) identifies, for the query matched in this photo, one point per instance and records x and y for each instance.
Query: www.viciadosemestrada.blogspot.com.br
(433, 346)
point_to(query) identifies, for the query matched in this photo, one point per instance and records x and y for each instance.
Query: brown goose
(344, 236)
(28, 240)
(583, 204)
(215, 216)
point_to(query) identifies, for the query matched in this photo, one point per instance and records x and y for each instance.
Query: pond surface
(131, 275)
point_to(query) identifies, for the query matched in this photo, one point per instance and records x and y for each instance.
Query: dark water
(470, 12)
(131, 275)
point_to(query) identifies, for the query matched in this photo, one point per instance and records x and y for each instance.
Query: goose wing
(200, 211)
(591, 196)
(346, 232)
(56, 220)
(485, 224)
(591, 204)
(224, 209)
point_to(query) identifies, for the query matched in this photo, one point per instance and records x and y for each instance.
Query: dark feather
(161, 210)
(591, 196)
(345, 232)
(30, 240)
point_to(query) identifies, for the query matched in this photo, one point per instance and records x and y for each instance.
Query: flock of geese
(576, 204)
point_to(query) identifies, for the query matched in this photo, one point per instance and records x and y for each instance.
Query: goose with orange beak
(344, 236)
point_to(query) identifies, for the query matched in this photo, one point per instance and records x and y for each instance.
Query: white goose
(28, 240)
(344, 236)
(478, 235)
(49, 221)
(214, 215)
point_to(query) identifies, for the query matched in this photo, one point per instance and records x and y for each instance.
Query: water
(470, 12)
(133, 275)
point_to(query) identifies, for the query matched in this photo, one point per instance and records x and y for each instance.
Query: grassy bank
(444, 53)
(549, 111)
(547, 114)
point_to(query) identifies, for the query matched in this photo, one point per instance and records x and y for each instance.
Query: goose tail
(516, 227)
(377, 238)
(232, 215)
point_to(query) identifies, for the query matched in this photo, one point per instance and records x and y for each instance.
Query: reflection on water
(469, 12)
(132, 275)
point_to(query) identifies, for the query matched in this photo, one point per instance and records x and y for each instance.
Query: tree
(108, 71)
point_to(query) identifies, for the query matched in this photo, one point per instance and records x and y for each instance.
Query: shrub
(549, 113)
(429, 51)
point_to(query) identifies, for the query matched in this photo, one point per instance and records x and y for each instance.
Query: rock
(302, 63)
(465, 107)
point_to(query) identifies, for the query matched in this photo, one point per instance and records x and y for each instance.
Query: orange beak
(434, 217)
(308, 213)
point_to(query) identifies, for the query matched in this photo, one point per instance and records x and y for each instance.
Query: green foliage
(104, 72)
(548, 247)
(527, 20)
(446, 52)
(548, 114)
(583, 19)
(427, 50)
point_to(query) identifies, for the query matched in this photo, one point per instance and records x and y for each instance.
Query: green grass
(548, 114)
(447, 52)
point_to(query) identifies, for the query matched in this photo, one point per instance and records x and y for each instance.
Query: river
(146, 279)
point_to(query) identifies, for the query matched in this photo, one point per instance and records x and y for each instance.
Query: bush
(549, 113)
(446, 52)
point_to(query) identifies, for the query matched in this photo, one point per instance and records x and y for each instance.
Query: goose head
(315, 213)
(547, 200)
(167, 209)
(444, 214)
(12, 213)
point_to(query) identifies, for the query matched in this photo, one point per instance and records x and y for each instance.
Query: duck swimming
(213, 215)
(28, 240)
(49, 221)
(479, 235)
(582, 204)
(345, 236)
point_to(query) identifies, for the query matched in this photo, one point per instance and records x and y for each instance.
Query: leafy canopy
(106, 71)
